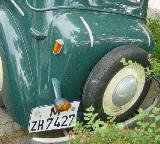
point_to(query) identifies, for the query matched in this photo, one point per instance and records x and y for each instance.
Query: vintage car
(58, 57)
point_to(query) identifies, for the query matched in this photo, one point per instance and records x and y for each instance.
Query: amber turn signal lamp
(62, 105)
(58, 46)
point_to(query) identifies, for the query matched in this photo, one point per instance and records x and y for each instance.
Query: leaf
(139, 123)
(123, 61)
(158, 129)
(150, 130)
(130, 62)
(153, 125)
(146, 124)
(86, 118)
(157, 118)
(88, 115)
(90, 109)
(151, 115)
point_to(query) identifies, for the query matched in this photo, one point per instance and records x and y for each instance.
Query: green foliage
(153, 70)
(154, 26)
(126, 63)
(154, 59)
(98, 132)
(151, 130)
(155, 67)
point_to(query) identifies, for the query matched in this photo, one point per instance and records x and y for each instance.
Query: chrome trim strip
(53, 140)
(17, 7)
(88, 29)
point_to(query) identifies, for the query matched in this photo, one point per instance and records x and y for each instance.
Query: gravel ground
(154, 9)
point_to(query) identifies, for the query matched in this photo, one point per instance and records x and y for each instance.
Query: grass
(154, 26)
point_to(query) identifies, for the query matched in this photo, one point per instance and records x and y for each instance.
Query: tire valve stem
(60, 103)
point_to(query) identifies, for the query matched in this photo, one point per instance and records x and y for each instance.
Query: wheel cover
(1, 74)
(136, 74)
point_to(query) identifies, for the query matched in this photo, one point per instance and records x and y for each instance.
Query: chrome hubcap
(124, 91)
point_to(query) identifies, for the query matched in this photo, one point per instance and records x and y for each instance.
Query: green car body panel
(88, 33)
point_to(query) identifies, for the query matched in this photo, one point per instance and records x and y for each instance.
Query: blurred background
(154, 9)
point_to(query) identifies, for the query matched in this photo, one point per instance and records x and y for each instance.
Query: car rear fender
(18, 78)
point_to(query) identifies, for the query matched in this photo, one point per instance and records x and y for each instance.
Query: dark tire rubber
(104, 71)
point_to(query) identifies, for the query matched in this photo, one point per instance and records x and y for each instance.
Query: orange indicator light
(58, 46)
(63, 107)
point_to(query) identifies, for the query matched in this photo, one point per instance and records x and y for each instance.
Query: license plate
(46, 118)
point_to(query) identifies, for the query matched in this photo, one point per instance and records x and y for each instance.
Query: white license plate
(46, 118)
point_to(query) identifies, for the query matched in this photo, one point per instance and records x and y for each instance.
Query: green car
(58, 57)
